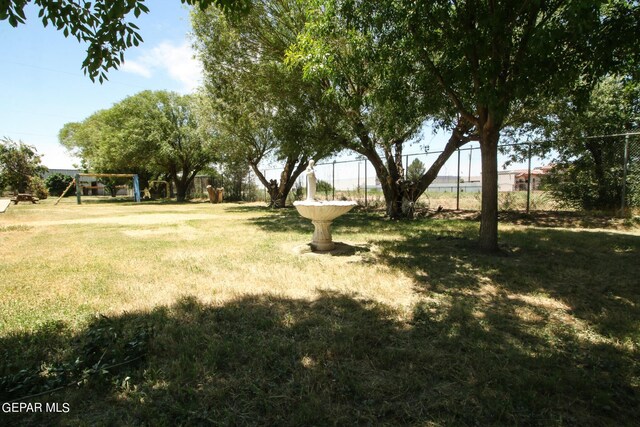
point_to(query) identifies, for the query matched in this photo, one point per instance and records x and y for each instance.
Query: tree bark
(388, 181)
(279, 190)
(489, 216)
(182, 185)
(457, 139)
(181, 191)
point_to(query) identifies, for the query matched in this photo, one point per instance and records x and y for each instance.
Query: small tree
(19, 162)
(415, 170)
(324, 187)
(111, 184)
(37, 187)
(57, 183)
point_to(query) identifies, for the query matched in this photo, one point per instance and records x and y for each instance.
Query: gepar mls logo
(35, 407)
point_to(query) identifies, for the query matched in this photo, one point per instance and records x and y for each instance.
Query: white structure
(311, 182)
(90, 185)
(321, 215)
(517, 180)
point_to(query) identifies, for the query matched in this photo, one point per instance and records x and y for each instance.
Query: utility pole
(333, 181)
(624, 175)
(458, 184)
(529, 180)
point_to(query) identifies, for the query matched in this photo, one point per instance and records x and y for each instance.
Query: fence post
(78, 189)
(624, 175)
(529, 180)
(333, 181)
(458, 184)
(365, 183)
(406, 166)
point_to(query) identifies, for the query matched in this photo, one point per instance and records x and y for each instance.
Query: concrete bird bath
(321, 214)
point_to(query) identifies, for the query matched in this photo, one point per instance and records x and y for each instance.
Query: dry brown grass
(407, 324)
(115, 258)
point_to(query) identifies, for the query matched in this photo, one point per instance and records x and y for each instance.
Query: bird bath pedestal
(321, 215)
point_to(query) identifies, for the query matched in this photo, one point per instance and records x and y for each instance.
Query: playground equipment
(76, 181)
(71, 184)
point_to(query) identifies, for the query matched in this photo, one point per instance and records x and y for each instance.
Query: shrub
(37, 187)
(57, 183)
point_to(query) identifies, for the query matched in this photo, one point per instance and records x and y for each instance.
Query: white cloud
(177, 61)
(136, 68)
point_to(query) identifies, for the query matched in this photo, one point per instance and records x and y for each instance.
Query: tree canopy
(259, 106)
(480, 62)
(151, 134)
(576, 130)
(19, 164)
(105, 26)
(381, 110)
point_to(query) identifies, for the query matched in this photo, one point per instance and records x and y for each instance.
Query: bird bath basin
(321, 215)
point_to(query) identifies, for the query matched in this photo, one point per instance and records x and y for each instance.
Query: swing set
(76, 181)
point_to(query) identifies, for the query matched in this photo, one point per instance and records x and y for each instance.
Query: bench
(24, 198)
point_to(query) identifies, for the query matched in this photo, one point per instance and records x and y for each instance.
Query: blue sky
(43, 85)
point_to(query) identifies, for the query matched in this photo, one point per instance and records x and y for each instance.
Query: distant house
(517, 180)
(90, 185)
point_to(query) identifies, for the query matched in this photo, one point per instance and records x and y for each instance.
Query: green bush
(37, 187)
(57, 183)
(324, 187)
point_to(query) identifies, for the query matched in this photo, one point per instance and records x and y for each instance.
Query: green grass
(205, 314)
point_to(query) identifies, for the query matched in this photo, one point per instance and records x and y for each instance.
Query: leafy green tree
(111, 184)
(490, 60)
(19, 163)
(37, 187)
(235, 180)
(151, 133)
(416, 170)
(588, 165)
(381, 109)
(56, 183)
(260, 108)
(104, 25)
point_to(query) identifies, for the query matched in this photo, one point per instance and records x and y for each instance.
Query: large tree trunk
(181, 191)
(489, 216)
(389, 181)
(459, 137)
(279, 190)
(393, 198)
(182, 185)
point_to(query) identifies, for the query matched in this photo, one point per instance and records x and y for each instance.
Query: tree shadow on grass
(355, 221)
(273, 220)
(595, 274)
(337, 360)
(341, 249)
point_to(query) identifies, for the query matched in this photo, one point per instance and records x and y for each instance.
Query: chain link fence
(526, 180)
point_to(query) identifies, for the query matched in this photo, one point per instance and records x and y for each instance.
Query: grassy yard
(200, 314)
